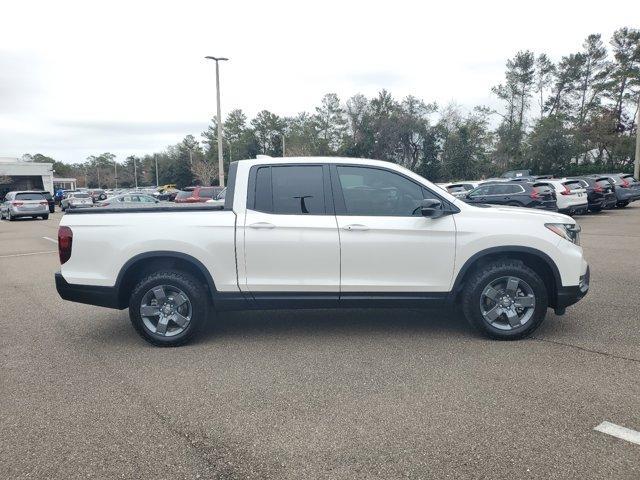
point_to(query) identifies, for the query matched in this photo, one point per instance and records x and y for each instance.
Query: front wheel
(505, 300)
(168, 307)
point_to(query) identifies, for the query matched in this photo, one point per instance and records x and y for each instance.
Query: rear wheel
(168, 307)
(505, 300)
(595, 209)
(513, 204)
(45, 217)
(622, 204)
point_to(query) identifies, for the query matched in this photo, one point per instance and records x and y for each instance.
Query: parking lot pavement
(319, 394)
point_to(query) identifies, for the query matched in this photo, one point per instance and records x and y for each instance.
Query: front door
(386, 244)
(291, 239)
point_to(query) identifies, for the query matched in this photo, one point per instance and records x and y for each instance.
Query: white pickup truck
(322, 233)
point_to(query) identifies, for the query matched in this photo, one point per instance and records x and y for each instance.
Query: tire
(175, 286)
(622, 204)
(513, 204)
(45, 217)
(477, 306)
(11, 219)
(595, 209)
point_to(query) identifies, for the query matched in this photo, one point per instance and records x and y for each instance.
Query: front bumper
(90, 294)
(567, 296)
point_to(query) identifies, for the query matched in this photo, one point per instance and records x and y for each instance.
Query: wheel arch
(138, 266)
(539, 261)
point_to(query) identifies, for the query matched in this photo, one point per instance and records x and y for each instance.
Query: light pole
(636, 163)
(283, 146)
(115, 169)
(155, 157)
(135, 172)
(219, 119)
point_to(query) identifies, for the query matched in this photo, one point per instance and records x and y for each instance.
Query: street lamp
(219, 119)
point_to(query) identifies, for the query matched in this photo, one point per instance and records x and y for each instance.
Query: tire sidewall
(471, 304)
(192, 289)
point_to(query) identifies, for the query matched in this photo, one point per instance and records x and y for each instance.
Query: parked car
(49, 198)
(600, 193)
(97, 194)
(197, 194)
(459, 189)
(24, 204)
(129, 199)
(514, 194)
(571, 196)
(75, 199)
(302, 233)
(516, 174)
(627, 188)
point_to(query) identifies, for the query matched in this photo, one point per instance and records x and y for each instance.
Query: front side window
(376, 192)
(294, 189)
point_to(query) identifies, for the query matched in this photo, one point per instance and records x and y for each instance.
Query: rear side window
(29, 196)
(295, 189)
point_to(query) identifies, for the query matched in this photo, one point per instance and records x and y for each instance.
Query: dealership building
(16, 174)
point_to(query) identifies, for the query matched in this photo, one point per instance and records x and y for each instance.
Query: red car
(197, 194)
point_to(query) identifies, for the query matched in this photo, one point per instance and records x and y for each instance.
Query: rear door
(291, 239)
(386, 244)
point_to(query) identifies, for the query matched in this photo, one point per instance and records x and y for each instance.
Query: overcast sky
(82, 78)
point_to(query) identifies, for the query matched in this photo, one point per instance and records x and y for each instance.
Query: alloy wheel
(166, 310)
(507, 303)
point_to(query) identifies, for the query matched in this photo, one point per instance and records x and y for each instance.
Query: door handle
(262, 225)
(356, 227)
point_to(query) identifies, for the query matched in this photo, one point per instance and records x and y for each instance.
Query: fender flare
(507, 249)
(165, 254)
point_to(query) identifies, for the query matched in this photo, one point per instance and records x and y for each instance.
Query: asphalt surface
(357, 394)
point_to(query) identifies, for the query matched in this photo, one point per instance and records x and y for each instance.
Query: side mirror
(431, 208)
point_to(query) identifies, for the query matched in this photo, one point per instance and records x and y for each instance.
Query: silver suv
(24, 204)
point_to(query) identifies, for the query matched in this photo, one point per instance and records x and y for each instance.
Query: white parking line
(51, 240)
(26, 254)
(619, 432)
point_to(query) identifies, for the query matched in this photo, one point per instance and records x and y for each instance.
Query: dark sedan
(515, 194)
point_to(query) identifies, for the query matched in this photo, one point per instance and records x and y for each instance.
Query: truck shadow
(304, 323)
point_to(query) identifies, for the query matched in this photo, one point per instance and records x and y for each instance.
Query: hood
(521, 212)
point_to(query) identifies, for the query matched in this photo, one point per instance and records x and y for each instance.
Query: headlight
(568, 231)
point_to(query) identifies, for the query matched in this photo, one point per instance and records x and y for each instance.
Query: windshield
(80, 195)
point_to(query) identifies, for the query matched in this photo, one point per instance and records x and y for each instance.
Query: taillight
(535, 195)
(624, 184)
(566, 191)
(65, 242)
(17, 204)
(597, 188)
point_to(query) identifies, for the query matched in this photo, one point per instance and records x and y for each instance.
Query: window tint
(29, 196)
(183, 194)
(372, 191)
(80, 195)
(298, 189)
(603, 182)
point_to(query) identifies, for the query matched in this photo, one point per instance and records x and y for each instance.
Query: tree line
(575, 115)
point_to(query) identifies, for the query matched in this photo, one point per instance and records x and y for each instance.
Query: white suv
(571, 195)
